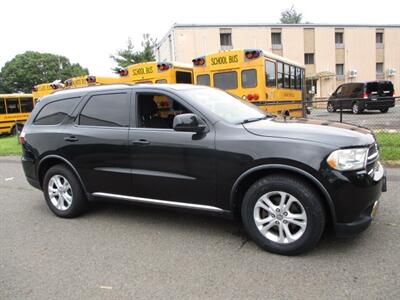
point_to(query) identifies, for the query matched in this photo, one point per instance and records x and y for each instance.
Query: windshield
(231, 109)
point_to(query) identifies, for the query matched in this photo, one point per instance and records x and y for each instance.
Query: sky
(88, 32)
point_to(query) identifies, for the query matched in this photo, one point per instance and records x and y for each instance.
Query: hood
(332, 133)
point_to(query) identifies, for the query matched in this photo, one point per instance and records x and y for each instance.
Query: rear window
(183, 77)
(249, 78)
(54, 113)
(110, 110)
(384, 86)
(203, 80)
(26, 104)
(226, 80)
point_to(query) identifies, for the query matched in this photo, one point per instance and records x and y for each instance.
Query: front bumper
(355, 196)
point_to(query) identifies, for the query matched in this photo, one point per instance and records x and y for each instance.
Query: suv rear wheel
(63, 192)
(356, 108)
(283, 214)
(330, 108)
(384, 110)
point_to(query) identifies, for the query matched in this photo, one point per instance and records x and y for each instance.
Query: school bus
(14, 111)
(156, 72)
(265, 79)
(89, 80)
(41, 90)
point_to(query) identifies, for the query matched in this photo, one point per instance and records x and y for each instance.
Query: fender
(289, 168)
(68, 163)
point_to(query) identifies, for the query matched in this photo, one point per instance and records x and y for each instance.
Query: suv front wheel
(63, 192)
(356, 108)
(283, 214)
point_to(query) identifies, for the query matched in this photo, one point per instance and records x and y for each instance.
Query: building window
(379, 40)
(379, 71)
(309, 58)
(225, 40)
(339, 40)
(339, 72)
(276, 40)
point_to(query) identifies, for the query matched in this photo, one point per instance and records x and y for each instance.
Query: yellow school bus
(157, 72)
(14, 111)
(265, 79)
(41, 90)
(89, 80)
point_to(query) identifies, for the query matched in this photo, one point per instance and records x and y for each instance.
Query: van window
(249, 78)
(110, 110)
(203, 79)
(12, 106)
(54, 113)
(226, 80)
(183, 77)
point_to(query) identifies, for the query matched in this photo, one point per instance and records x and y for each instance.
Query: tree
(129, 56)
(31, 68)
(290, 16)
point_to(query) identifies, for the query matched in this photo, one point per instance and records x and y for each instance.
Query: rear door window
(203, 79)
(54, 113)
(226, 80)
(110, 110)
(249, 78)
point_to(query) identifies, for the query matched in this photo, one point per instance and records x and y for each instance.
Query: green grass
(9, 146)
(389, 145)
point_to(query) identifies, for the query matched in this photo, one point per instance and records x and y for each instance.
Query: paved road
(372, 119)
(130, 252)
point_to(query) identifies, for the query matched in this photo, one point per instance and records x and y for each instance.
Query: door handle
(141, 142)
(71, 139)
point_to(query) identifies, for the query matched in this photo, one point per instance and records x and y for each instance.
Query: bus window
(183, 77)
(286, 80)
(298, 79)
(270, 77)
(203, 80)
(161, 81)
(292, 77)
(301, 79)
(226, 80)
(26, 104)
(249, 78)
(2, 106)
(280, 75)
(12, 106)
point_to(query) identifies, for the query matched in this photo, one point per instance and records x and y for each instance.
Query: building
(332, 53)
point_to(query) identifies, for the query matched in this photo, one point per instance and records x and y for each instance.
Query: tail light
(54, 86)
(252, 54)
(123, 72)
(35, 89)
(252, 97)
(91, 79)
(22, 137)
(200, 61)
(163, 66)
(365, 95)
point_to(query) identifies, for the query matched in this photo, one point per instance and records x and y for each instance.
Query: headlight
(348, 159)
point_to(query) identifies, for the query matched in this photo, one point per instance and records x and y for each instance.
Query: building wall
(359, 53)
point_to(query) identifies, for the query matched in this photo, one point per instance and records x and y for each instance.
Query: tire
(330, 108)
(301, 239)
(16, 129)
(73, 203)
(356, 108)
(384, 110)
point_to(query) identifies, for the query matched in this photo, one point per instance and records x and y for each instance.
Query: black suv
(360, 96)
(199, 148)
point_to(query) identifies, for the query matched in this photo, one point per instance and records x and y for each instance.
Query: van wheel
(63, 192)
(356, 108)
(283, 214)
(330, 107)
(384, 110)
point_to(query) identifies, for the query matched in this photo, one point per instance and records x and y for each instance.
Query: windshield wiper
(249, 120)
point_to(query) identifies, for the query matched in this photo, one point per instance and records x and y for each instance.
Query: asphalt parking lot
(121, 251)
(372, 119)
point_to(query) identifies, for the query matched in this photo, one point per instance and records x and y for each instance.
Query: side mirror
(188, 123)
